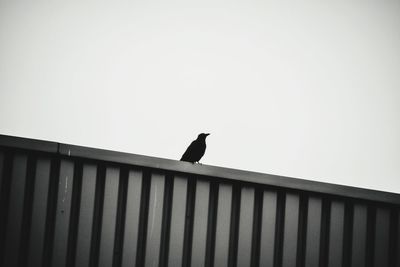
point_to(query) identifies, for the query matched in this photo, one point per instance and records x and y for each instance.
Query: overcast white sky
(307, 89)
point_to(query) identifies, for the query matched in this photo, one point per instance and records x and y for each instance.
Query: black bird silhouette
(196, 149)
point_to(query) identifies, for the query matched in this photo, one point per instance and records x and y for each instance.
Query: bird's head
(203, 136)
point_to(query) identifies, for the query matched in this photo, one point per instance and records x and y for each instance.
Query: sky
(307, 89)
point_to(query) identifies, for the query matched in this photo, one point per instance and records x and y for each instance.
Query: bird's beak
(207, 134)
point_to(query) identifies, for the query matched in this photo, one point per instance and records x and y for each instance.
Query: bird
(196, 149)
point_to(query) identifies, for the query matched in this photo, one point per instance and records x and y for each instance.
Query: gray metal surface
(39, 208)
(63, 205)
(132, 214)
(267, 232)
(108, 221)
(336, 232)
(359, 235)
(223, 225)
(313, 232)
(199, 244)
(245, 226)
(85, 220)
(178, 219)
(154, 226)
(63, 213)
(16, 206)
(381, 257)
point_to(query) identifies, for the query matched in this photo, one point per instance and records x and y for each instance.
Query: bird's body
(196, 149)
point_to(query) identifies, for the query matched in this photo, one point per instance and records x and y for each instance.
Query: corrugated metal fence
(64, 205)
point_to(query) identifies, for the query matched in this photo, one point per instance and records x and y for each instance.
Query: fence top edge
(28, 143)
(202, 170)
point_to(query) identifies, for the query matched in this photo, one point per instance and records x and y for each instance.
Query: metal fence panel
(62, 205)
(200, 223)
(39, 209)
(267, 246)
(85, 222)
(15, 209)
(109, 213)
(336, 232)
(359, 235)
(155, 220)
(381, 257)
(223, 225)
(63, 212)
(1, 171)
(178, 219)
(396, 246)
(313, 232)
(245, 226)
(131, 234)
